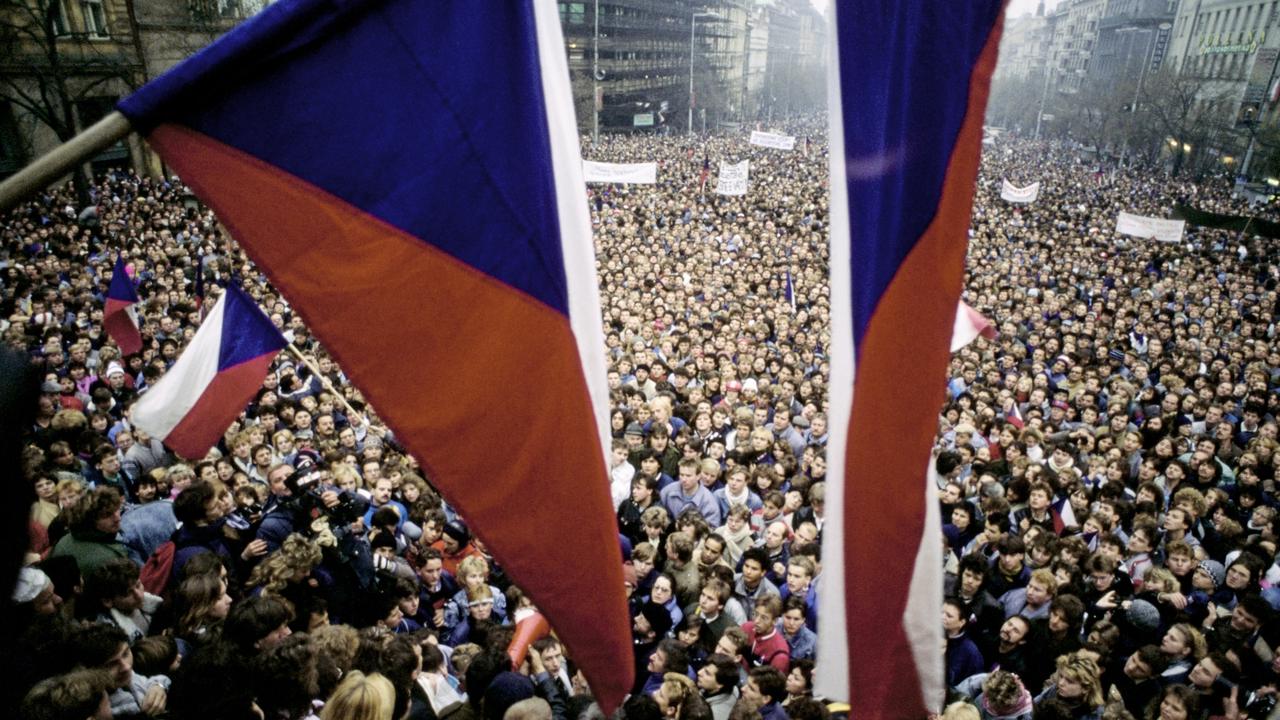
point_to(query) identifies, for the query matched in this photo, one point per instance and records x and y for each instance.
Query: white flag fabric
(772, 140)
(1169, 231)
(969, 325)
(733, 178)
(1014, 194)
(622, 173)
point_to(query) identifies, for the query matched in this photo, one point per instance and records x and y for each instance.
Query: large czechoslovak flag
(909, 88)
(407, 173)
(217, 375)
(120, 313)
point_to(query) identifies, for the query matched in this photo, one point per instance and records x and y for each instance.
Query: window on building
(95, 18)
(12, 157)
(58, 17)
(90, 111)
(573, 13)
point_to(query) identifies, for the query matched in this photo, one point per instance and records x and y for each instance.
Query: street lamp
(693, 22)
(1044, 92)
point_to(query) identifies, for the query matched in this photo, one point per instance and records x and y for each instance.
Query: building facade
(1075, 37)
(632, 61)
(65, 64)
(1024, 48)
(1133, 41)
(1229, 48)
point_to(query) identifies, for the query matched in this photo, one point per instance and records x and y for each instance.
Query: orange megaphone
(527, 631)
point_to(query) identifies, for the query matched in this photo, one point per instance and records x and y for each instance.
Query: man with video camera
(304, 501)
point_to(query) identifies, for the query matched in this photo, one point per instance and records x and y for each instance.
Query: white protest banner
(1149, 227)
(631, 173)
(732, 179)
(781, 142)
(1013, 194)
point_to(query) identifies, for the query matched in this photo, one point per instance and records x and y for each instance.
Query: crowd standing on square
(1106, 464)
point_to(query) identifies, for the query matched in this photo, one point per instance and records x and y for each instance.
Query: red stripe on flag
(481, 382)
(897, 392)
(118, 324)
(219, 405)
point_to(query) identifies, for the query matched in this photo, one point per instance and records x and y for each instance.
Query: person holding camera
(298, 496)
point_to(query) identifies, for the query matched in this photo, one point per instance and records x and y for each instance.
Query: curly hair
(1083, 669)
(337, 642)
(297, 555)
(1002, 689)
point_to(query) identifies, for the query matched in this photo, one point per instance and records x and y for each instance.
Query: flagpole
(63, 159)
(324, 381)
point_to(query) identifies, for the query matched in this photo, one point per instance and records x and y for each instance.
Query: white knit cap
(31, 582)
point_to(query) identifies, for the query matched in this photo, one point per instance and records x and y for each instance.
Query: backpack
(158, 569)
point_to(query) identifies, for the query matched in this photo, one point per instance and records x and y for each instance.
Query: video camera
(306, 487)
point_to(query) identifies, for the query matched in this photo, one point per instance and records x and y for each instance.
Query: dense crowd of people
(1110, 458)
(1107, 468)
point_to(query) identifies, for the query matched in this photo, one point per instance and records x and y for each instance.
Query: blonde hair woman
(361, 697)
(673, 693)
(289, 565)
(1077, 682)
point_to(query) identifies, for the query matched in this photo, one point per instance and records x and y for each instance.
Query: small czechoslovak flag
(210, 385)
(120, 316)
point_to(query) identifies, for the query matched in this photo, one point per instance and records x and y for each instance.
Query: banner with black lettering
(732, 179)
(1013, 194)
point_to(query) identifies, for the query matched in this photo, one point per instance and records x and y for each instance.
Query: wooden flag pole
(63, 159)
(324, 381)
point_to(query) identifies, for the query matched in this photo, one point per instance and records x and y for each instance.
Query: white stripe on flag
(160, 409)
(921, 620)
(575, 220)
(832, 668)
(969, 325)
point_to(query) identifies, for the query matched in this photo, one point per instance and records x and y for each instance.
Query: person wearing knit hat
(629, 577)
(455, 545)
(648, 627)
(507, 689)
(1144, 616)
(653, 621)
(34, 590)
(458, 532)
(1211, 570)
